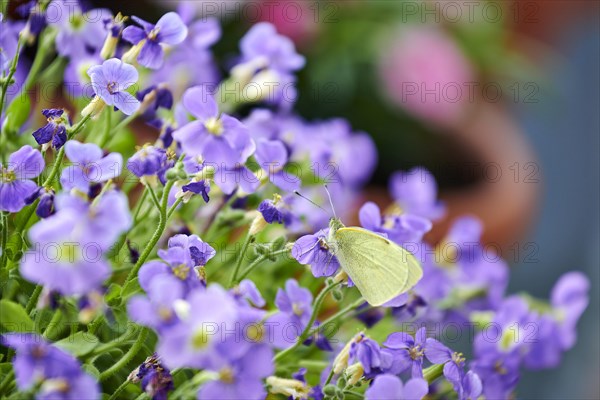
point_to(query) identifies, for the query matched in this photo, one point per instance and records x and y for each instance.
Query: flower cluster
(163, 200)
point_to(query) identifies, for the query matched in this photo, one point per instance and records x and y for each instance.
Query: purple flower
(110, 81)
(277, 52)
(313, 250)
(415, 192)
(169, 30)
(201, 187)
(570, 298)
(295, 308)
(101, 221)
(59, 373)
(147, 161)
(367, 351)
(79, 33)
(15, 184)
(277, 211)
(89, 166)
(182, 260)
(467, 386)
(241, 378)
(36, 18)
(272, 156)
(221, 140)
(410, 350)
(499, 372)
(45, 207)
(390, 387)
(68, 247)
(191, 63)
(54, 131)
(9, 37)
(247, 290)
(156, 380)
(199, 251)
(197, 341)
(498, 351)
(159, 309)
(404, 228)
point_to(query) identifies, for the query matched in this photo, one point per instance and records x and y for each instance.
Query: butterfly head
(334, 225)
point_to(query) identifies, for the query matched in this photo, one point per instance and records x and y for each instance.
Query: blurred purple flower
(90, 166)
(197, 340)
(272, 156)
(295, 308)
(39, 362)
(79, 33)
(402, 229)
(415, 192)
(241, 378)
(147, 161)
(221, 140)
(390, 387)
(15, 178)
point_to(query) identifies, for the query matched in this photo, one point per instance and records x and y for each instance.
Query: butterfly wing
(380, 269)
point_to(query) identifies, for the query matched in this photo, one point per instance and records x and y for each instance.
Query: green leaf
(113, 295)
(15, 318)
(17, 114)
(79, 344)
(90, 369)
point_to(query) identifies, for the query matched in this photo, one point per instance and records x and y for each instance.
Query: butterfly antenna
(309, 200)
(330, 201)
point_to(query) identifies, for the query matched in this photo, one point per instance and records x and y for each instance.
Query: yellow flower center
(200, 339)
(214, 126)
(181, 271)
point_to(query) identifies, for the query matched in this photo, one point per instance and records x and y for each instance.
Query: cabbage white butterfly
(379, 268)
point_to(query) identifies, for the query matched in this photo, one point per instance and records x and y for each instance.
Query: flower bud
(354, 373)
(94, 108)
(288, 387)
(258, 224)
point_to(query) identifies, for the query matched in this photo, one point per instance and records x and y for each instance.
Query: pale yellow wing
(380, 269)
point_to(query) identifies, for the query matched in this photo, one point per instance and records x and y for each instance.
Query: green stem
(33, 299)
(123, 361)
(238, 264)
(338, 315)
(162, 223)
(46, 41)
(53, 327)
(174, 207)
(124, 123)
(106, 134)
(11, 72)
(309, 327)
(256, 262)
(4, 239)
(154, 197)
(115, 394)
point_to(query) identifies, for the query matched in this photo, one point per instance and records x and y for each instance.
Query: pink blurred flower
(297, 20)
(423, 71)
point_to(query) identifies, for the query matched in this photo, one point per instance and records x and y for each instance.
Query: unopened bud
(288, 387)
(94, 108)
(258, 224)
